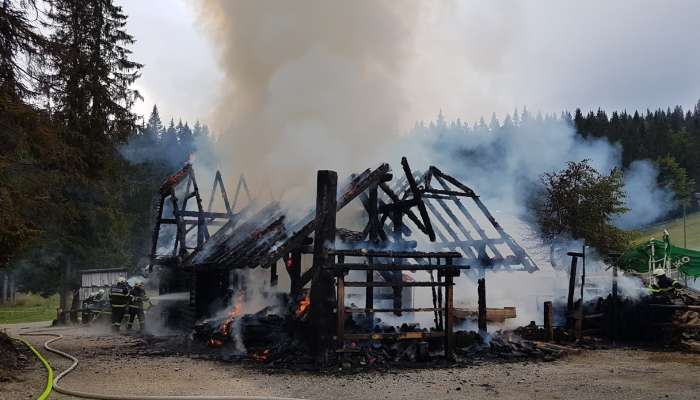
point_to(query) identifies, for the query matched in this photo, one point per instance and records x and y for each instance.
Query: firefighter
(119, 299)
(662, 283)
(138, 297)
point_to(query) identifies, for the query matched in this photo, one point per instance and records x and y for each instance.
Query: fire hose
(99, 396)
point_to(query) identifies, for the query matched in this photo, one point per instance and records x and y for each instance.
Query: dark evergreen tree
(21, 49)
(92, 71)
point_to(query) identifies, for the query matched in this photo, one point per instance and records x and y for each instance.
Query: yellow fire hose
(49, 370)
(99, 396)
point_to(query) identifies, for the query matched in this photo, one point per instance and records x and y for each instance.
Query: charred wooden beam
(409, 213)
(449, 310)
(447, 193)
(394, 254)
(322, 293)
(293, 264)
(482, 304)
(548, 321)
(169, 184)
(395, 284)
(393, 267)
(388, 310)
(202, 214)
(417, 196)
(354, 188)
(394, 335)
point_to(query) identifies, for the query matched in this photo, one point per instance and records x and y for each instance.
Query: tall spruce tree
(154, 127)
(92, 71)
(21, 46)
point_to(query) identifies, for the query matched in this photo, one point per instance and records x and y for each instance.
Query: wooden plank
(492, 314)
(388, 310)
(400, 267)
(394, 335)
(395, 284)
(394, 254)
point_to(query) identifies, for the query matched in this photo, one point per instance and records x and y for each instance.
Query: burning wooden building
(421, 221)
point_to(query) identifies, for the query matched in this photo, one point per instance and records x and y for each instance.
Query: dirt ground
(621, 373)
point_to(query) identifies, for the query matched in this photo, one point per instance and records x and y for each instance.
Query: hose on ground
(100, 396)
(49, 371)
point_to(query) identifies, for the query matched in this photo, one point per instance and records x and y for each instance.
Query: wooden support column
(322, 293)
(482, 305)
(614, 317)
(274, 278)
(397, 276)
(449, 311)
(572, 289)
(340, 307)
(374, 227)
(293, 261)
(548, 327)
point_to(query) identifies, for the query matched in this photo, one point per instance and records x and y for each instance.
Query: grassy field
(29, 308)
(675, 228)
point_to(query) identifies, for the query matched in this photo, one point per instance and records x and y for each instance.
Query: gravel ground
(596, 374)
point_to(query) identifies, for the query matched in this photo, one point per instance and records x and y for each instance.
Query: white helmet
(121, 279)
(659, 272)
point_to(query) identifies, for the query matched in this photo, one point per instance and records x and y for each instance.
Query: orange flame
(303, 306)
(225, 327)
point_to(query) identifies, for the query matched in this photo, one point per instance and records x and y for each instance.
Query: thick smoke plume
(309, 84)
(331, 84)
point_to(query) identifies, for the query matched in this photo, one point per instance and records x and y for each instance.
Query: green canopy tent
(654, 254)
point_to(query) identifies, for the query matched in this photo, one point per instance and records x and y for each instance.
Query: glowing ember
(215, 342)
(303, 306)
(260, 356)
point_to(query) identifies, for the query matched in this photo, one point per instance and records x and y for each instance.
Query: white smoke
(330, 85)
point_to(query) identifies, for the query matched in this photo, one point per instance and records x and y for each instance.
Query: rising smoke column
(309, 84)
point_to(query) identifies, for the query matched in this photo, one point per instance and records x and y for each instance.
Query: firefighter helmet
(659, 272)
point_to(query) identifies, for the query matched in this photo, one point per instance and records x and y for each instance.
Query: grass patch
(29, 308)
(675, 228)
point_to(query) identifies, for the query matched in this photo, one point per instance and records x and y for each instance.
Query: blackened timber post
(397, 276)
(614, 317)
(449, 310)
(274, 278)
(322, 293)
(294, 269)
(340, 307)
(373, 237)
(482, 304)
(548, 327)
(572, 288)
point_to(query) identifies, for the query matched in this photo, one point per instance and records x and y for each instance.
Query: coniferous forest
(78, 168)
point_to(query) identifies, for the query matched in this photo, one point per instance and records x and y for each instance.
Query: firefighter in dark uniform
(138, 297)
(119, 298)
(664, 284)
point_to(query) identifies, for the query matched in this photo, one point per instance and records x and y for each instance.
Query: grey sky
(470, 59)
(180, 73)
